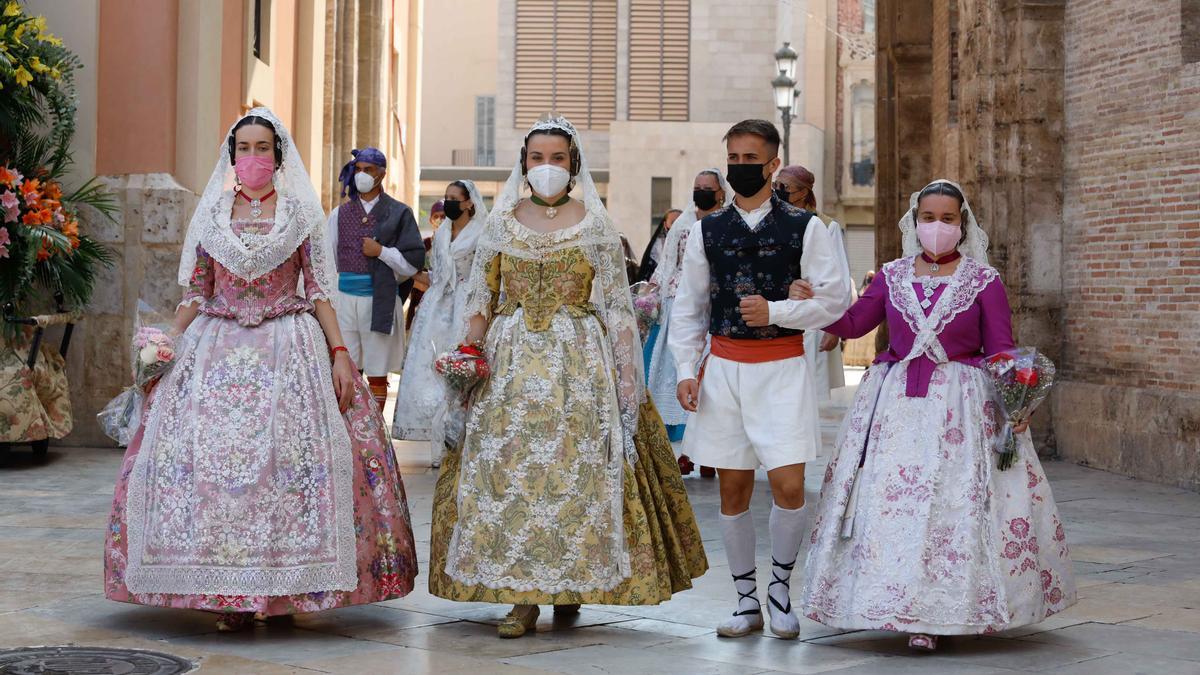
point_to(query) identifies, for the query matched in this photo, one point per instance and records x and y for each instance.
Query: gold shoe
(522, 619)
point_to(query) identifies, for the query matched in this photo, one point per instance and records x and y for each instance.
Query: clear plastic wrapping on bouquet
(152, 353)
(1021, 379)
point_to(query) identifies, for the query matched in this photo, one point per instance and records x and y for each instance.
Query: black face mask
(746, 179)
(453, 208)
(782, 193)
(704, 199)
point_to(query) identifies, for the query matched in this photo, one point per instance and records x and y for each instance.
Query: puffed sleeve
(200, 288)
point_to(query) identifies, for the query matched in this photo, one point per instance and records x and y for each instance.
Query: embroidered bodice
(541, 286)
(222, 294)
(931, 320)
(744, 261)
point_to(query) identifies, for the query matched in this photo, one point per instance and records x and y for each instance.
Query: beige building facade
(652, 85)
(161, 82)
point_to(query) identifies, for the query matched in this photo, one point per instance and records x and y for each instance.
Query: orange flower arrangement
(39, 208)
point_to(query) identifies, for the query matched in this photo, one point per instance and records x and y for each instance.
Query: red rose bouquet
(463, 368)
(1022, 378)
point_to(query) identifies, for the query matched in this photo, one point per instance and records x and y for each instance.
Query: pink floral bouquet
(152, 354)
(645, 305)
(1022, 378)
(463, 368)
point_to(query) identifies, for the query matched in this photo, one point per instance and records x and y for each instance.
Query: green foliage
(50, 259)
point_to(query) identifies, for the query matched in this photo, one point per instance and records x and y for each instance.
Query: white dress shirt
(690, 318)
(391, 257)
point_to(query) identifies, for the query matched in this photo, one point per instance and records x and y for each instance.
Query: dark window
(1189, 30)
(660, 199)
(262, 30)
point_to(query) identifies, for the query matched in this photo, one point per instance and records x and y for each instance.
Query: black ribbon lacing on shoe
(752, 595)
(787, 583)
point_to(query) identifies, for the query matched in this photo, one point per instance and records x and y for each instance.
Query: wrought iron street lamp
(785, 60)
(785, 93)
(785, 100)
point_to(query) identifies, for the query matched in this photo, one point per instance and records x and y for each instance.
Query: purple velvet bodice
(967, 311)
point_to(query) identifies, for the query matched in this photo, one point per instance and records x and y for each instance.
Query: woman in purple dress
(917, 530)
(262, 480)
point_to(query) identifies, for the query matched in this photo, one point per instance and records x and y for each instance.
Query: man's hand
(688, 392)
(828, 342)
(755, 311)
(421, 281)
(371, 248)
(800, 290)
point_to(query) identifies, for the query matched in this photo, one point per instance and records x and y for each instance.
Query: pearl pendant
(255, 208)
(933, 267)
(551, 212)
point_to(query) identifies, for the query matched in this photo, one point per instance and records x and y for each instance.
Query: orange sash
(753, 351)
(758, 351)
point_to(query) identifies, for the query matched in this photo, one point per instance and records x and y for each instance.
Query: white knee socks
(738, 534)
(786, 531)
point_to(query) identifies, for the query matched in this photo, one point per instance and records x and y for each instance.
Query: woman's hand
(421, 281)
(343, 380)
(829, 342)
(1022, 427)
(800, 290)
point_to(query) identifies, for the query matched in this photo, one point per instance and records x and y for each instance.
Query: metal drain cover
(90, 661)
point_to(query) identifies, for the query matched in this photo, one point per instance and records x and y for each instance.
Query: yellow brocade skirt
(661, 532)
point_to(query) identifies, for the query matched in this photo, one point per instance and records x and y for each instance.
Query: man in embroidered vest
(378, 248)
(753, 399)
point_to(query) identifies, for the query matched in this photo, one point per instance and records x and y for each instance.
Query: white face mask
(547, 180)
(364, 182)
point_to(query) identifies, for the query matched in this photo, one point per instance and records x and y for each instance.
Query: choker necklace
(551, 209)
(256, 204)
(935, 263)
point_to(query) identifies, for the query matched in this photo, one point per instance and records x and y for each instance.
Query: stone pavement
(1136, 547)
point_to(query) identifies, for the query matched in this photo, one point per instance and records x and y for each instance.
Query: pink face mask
(255, 171)
(938, 237)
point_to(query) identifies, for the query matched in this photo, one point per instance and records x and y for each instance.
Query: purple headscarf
(369, 155)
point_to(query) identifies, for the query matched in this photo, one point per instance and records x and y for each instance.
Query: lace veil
(601, 243)
(672, 250)
(976, 243)
(298, 217)
(465, 242)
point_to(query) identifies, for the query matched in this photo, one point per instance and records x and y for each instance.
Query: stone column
(1011, 147)
(903, 68)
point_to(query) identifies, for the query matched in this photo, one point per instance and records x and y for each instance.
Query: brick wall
(1131, 322)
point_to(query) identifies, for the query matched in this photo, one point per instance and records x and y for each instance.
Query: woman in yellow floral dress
(565, 489)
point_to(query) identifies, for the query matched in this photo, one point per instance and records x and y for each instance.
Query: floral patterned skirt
(943, 542)
(661, 533)
(384, 557)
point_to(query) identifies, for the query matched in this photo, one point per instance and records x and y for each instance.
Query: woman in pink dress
(917, 530)
(262, 479)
